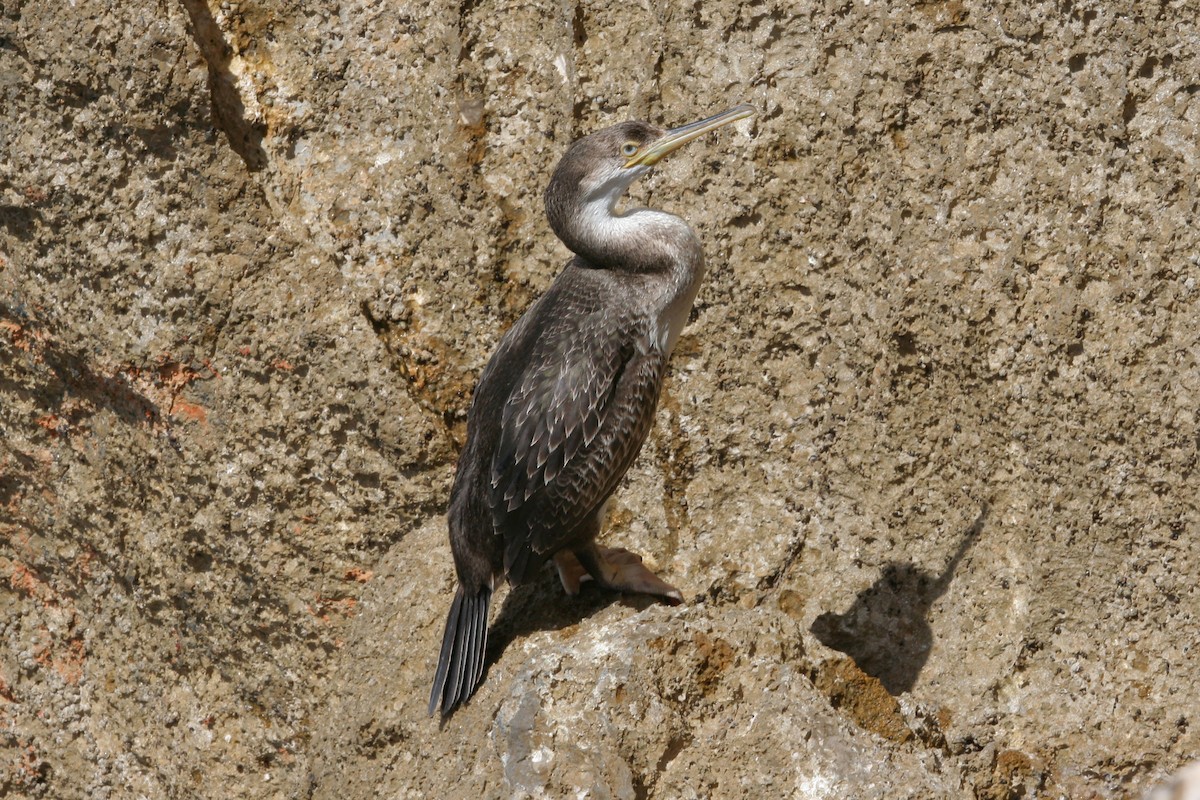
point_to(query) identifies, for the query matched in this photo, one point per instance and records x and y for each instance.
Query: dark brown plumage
(566, 401)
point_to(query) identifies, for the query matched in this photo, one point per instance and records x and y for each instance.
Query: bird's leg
(617, 568)
(570, 572)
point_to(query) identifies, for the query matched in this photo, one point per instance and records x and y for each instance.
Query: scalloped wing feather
(569, 431)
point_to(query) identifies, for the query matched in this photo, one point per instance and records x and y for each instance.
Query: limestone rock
(925, 465)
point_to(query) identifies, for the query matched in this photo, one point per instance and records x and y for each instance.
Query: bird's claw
(613, 568)
(570, 572)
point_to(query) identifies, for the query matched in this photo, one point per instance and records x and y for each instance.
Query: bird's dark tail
(460, 665)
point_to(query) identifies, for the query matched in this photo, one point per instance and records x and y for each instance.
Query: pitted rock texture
(924, 467)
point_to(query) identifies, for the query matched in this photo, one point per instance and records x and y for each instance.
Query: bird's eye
(629, 148)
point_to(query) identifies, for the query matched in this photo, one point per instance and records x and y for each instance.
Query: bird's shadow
(542, 605)
(886, 630)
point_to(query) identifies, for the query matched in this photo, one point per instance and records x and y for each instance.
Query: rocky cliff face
(925, 466)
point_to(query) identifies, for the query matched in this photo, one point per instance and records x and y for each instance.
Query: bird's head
(598, 169)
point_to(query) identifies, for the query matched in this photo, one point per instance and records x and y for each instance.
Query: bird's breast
(673, 315)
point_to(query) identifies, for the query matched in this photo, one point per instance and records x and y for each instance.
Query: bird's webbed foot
(613, 568)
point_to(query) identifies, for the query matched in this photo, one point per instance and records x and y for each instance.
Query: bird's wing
(569, 431)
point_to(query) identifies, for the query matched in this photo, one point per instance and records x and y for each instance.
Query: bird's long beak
(675, 138)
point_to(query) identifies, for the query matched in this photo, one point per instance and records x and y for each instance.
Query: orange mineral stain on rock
(325, 607)
(25, 581)
(22, 338)
(189, 411)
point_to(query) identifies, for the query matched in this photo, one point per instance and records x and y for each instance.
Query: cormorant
(566, 401)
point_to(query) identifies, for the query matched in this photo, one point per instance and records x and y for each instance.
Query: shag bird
(566, 401)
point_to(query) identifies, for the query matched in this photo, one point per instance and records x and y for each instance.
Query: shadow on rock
(245, 133)
(887, 630)
(542, 605)
(71, 374)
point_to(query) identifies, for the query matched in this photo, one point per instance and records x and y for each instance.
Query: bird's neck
(643, 240)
